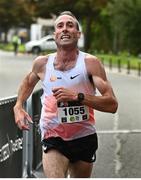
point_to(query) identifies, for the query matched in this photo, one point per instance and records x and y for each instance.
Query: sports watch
(80, 97)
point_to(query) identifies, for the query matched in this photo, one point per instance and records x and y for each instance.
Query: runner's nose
(65, 28)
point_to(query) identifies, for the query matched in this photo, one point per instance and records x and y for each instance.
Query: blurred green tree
(125, 18)
(107, 24)
(15, 13)
(88, 13)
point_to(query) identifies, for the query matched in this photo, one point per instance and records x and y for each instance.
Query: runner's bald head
(69, 14)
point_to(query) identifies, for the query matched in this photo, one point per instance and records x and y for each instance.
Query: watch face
(80, 96)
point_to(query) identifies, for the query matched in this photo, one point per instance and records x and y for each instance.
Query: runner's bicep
(102, 85)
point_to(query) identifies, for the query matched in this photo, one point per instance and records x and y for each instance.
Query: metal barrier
(33, 150)
(127, 67)
(36, 111)
(20, 151)
(11, 141)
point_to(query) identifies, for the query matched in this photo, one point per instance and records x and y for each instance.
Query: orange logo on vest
(53, 78)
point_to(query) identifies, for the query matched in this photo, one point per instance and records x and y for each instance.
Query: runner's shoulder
(41, 61)
(92, 60)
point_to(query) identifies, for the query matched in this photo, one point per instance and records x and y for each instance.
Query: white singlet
(66, 120)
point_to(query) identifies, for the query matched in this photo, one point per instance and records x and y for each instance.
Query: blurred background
(111, 30)
(109, 26)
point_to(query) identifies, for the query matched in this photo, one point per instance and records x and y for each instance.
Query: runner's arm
(107, 101)
(21, 116)
(26, 88)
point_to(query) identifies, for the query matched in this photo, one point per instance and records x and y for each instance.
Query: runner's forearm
(101, 103)
(25, 90)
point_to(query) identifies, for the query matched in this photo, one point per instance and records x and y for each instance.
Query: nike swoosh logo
(72, 77)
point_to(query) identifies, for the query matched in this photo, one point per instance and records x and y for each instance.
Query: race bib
(73, 114)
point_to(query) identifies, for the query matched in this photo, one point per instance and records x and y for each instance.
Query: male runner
(69, 78)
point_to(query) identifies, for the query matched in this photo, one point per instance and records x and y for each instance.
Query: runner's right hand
(22, 118)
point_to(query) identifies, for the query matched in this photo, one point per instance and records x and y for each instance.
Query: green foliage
(125, 18)
(124, 58)
(107, 24)
(47, 8)
(14, 14)
(9, 47)
(133, 22)
(88, 12)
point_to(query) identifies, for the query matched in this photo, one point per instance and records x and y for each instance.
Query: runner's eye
(70, 24)
(60, 25)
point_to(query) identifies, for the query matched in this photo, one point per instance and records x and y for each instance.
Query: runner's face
(66, 32)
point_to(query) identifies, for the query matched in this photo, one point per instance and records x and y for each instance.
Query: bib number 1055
(74, 111)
